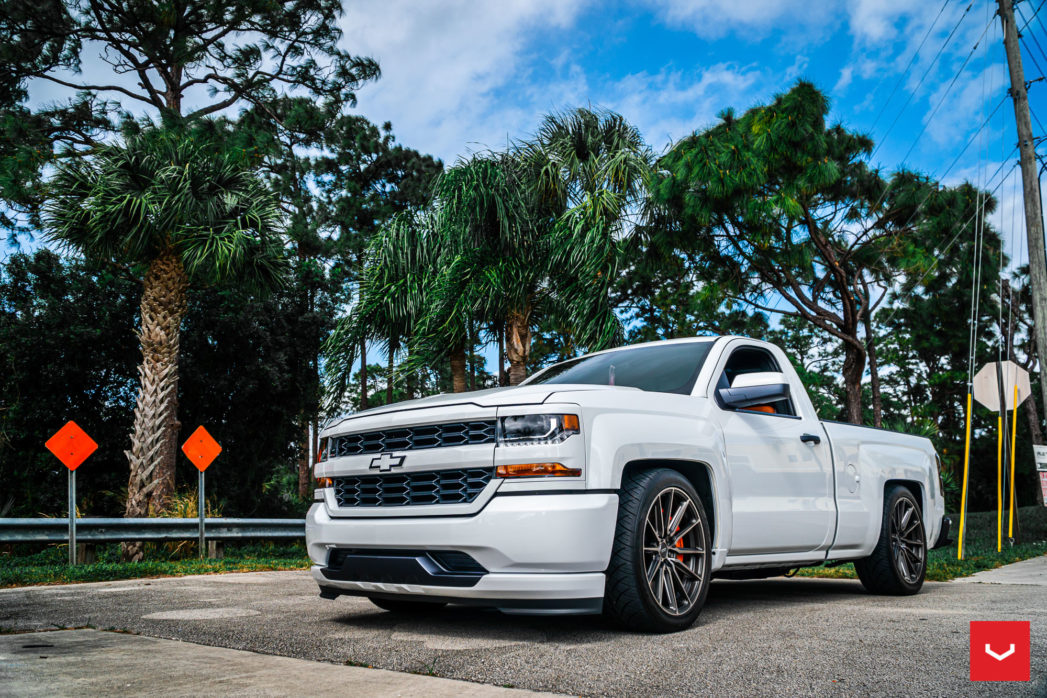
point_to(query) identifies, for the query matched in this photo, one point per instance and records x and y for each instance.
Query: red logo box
(1000, 650)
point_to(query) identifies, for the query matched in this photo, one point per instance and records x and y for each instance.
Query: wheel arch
(916, 489)
(914, 486)
(699, 474)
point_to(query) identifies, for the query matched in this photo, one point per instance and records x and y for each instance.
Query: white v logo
(999, 657)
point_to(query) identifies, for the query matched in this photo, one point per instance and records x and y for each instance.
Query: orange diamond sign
(201, 448)
(71, 445)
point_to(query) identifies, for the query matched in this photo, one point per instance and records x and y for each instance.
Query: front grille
(414, 438)
(459, 486)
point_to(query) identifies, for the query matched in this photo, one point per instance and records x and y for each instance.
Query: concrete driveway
(774, 637)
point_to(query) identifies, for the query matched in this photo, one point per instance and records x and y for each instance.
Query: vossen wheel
(659, 573)
(898, 564)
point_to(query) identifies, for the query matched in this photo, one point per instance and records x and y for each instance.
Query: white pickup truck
(619, 482)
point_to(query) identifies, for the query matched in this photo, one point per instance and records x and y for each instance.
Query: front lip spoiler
(582, 606)
(943, 535)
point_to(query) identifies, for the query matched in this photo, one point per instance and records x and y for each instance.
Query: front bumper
(541, 552)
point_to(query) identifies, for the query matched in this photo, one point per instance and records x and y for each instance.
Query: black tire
(898, 564)
(406, 606)
(629, 598)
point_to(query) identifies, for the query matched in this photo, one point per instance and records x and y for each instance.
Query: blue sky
(465, 75)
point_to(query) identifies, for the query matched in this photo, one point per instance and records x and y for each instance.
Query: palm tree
(544, 228)
(395, 284)
(509, 239)
(177, 208)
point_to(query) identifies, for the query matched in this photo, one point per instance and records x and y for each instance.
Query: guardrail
(41, 530)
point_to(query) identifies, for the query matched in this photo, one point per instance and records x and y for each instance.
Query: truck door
(779, 463)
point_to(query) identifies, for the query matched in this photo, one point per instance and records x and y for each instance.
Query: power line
(1034, 14)
(1032, 37)
(905, 73)
(959, 72)
(927, 72)
(1032, 55)
(948, 89)
(956, 237)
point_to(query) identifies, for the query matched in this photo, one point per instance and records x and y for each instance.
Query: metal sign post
(72, 446)
(200, 507)
(201, 449)
(72, 517)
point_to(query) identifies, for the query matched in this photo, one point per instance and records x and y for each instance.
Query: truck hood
(492, 397)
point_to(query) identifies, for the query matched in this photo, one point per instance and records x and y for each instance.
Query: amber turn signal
(538, 470)
(324, 482)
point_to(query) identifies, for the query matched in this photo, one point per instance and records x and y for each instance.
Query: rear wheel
(659, 573)
(898, 564)
(407, 606)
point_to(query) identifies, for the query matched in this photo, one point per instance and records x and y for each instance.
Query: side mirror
(751, 389)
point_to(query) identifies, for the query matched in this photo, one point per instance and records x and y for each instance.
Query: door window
(754, 360)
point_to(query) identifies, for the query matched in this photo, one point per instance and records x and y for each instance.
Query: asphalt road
(774, 637)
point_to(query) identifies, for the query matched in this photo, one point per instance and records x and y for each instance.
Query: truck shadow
(459, 627)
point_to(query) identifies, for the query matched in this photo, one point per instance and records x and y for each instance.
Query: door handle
(811, 438)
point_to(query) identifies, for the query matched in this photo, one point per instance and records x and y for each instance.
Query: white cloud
(756, 19)
(442, 62)
(671, 104)
(846, 76)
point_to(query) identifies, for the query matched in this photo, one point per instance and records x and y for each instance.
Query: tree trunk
(458, 369)
(853, 368)
(518, 346)
(502, 379)
(363, 374)
(389, 375)
(874, 373)
(412, 384)
(162, 309)
(305, 464)
(472, 362)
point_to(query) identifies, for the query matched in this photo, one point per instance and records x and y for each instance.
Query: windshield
(659, 368)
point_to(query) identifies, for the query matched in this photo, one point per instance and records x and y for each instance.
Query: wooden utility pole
(1030, 187)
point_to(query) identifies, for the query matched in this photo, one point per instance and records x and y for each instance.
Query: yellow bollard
(999, 483)
(966, 467)
(1014, 434)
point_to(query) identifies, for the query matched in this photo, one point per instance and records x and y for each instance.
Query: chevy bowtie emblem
(387, 462)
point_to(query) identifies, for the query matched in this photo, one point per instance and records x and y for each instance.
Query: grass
(49, 566)
(980, 538)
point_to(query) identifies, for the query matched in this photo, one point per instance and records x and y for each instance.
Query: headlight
(532, 429)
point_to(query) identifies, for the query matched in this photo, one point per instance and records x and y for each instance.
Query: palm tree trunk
(458, 369)
(501, 354)
(363, 374)
(389, 375)
(305, 464)
(472, 360)
(518, 346)
(151, 463)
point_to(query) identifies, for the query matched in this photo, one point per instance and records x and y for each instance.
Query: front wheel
(898, 564)
(659, 573)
